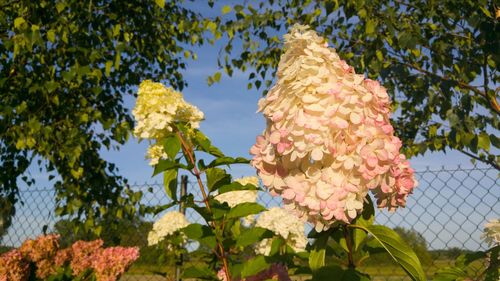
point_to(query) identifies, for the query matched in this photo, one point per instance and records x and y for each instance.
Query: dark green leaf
(234, 186)
(253, 235)
(216, 178)
(397, 249)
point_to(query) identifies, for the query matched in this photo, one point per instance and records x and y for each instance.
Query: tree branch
(492, 101)
(495, 165)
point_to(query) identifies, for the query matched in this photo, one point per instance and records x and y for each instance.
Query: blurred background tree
(66, 67)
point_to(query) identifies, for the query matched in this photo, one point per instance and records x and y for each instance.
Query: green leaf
(397, 249)
(335, 272)
(245, 209)
(236, 186)
(254, 266)
(484, 141)
(160, 3)
(226, 9)
(228, 161)
(449, 274)
(51, 35)
(318, 251)
(216, 178)
(365, 219)
(205, 145)
(217, 76)
(253, 235)
(166, 164)
(200, 233)
(170, 183)
(108, 66)
(18, 22)
(370, 26)
(171, 145)
(199, 272)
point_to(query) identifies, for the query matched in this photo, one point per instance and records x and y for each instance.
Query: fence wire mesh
(446, 215)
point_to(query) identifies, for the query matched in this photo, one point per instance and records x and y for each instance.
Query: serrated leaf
(397, 249)
(253, 235)
(245, 209)
(254, 266)
(170, 183)
(216, 178)
(171, 145)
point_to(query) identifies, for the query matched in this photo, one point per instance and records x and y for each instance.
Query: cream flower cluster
(328, 139)
(156, 110)
(491, 234)
(170, 223)
(284, 224)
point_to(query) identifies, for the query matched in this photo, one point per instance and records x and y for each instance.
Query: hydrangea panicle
(83, 254)
(170, 223)
(328, 139)
(156, 111)
(43, 247)
(110, 263)
(13, 267)
(284, 224)
(276, 271)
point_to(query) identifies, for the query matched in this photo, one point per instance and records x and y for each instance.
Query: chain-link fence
(444, 218)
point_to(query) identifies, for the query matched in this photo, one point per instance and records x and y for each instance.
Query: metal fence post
(182, 209)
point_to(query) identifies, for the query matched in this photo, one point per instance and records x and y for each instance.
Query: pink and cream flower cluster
(83, 257)
(328, 139)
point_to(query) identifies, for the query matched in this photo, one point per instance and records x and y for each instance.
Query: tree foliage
(439, 60)
(66, 67)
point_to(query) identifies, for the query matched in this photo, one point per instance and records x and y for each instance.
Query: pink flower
(43, 247)
(63, 256)
(13, 267)
(328, 139)
(83, 255)
(110, 263)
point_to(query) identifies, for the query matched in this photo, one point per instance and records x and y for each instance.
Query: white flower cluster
(284, 224)
(156, 110)
(168, 225)
(248, 180)
(328, 139)
(491, 234)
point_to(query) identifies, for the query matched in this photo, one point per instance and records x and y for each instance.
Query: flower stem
(348, 242)
(189, 152)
